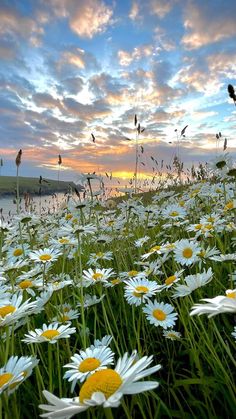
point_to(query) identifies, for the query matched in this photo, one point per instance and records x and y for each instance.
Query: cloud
(87, 18)
(126, 58)
(98, 109)
(161, 7)
(45, 100)
(208, 22)
(13, 23)
(134, 12)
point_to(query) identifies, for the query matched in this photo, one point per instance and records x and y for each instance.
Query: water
(44, 205)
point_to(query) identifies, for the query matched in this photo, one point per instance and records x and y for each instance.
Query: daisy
(105, 387)
(140, 242)
(174, 212)
(138, 290)
(44, 255)
(186, 252)
(160, 314)
(95, 258)
(66, 314)
(15, 372)
(49, 333)
(216, 305)
(91, 277)
(153, 250)
(91, 300)
(170, 280)
(12, 309)
(105, 341)
(171, 334)
(17, 252)
(28, 285)
(87, 362)
(193, 282)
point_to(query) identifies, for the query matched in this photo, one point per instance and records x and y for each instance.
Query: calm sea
(46, 204)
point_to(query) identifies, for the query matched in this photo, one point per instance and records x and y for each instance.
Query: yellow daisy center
(174, 213)
(25, 284)
(231, 294)
(106, 381)
(89, 364)
(100, 254)
(211, 219)
(116, 281)
(155, 248)
(5, 378)
(17, 252)
(45, 257)
(181, 203)
(159, 314)
(229, 205)
(170, 279)
(6, 310)
(132, 273)
(64, 241)
(50, 334)
(65, 318)
(140, 290)
(69, 216)
(187, 252)
(198, 226)
(97, 275)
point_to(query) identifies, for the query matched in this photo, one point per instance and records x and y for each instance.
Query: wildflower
(216, 305)
(44, 255)
(50, 333)
(140, 242)
(160, 314)
(171, 334)
(193, 282)
(172, 279)
(87, 362)
(138, 290)
(12, 309)
(66, 314)
(90, 300)
(16, 370)
(92, 277)
(186, 252)
(105, 387)
(97, 257)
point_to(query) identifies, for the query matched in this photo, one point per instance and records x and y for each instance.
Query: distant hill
(32, 186)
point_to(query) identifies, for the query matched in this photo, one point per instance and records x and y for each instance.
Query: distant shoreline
(33, 187)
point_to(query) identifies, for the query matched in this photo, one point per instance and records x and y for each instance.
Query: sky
(72, 68)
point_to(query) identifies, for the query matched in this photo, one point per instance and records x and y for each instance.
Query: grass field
(32, 185)
(99, 304)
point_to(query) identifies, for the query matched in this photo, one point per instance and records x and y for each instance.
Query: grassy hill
(32, 185)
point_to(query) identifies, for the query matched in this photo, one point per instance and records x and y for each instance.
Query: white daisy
(91, 277)
(90, 300)
(186, 252)
(15, 372)
(172, 279)
(193, 282)
(87, 362)
(105, 387)
(12, 309)
(50, 333)
(171, 334)
(216, 305)
(160, 314)
(44, 255)
(138, 290)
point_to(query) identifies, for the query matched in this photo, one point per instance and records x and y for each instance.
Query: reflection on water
(46, 204)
